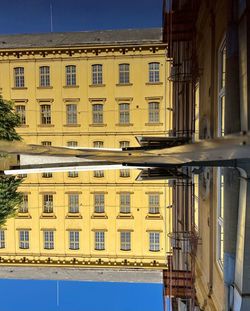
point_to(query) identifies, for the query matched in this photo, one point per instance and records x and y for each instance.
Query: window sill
(97, 249)
(44, 87)
(73, 215)
(72, 125)
(98, 125)
(45, 125)
(23, 215)
(153, 83)
(99, 216)
(154, 124)
(74, 249)
(154, 251)
(70, 86)
(124, 84)
(154, 216)
(19, 88)
(97, 85)
(125, 216)
(124, 124)
(125, 250)
(48, 215)
(23, 125)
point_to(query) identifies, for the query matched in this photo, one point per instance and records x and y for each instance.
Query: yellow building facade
(89, 89)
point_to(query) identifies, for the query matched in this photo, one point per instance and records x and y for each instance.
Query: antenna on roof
(51, 18)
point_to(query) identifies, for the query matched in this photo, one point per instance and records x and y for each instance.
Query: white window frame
(125, 240)
(153, 112)
(48, 238)
(97, 113)
(45, 114)
(71, 114)
(154, 203)
(19, 77)
(24, 206)
(124, 73)
(154, 241)
(70, 71)
(73, 199)
(99, 203)
(154, 72)
(74, 240)
(48, 203)
(97, 74)
(44, 75)
(125, 203)
(124, 113)
(99, 240)
(21, 110)
(24, 239)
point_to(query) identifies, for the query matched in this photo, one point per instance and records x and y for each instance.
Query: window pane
(2, 239)
(124, 203)
(96, 74)
(24, 239)
(99, 240)
(23, 208)
(97, 113)
(70, 75)
(48, 239)
(124, 117)
(71, 111)
(20, 109)
(99, 203)
(125, 241)
(45, 114)
(124, 73)
(154, 72)
(74, 239)
(73, 203)
(154, 241)
(154, 113)
(99, 173)
(44, 76)
(19, 76)
(48, 203)
(154, 203)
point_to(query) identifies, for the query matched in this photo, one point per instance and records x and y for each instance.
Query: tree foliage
(9, 119)
(9, 197)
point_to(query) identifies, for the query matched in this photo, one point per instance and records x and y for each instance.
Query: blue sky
(28, 16)
(27, 295)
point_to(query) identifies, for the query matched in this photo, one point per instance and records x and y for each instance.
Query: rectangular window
(48, 237)
(48, 203)
(97, 113)
(154, 203)
(123, 73)
(125, 203)
(153, 112)
(44, 76)
(99, 240)
(24, 239)
(45, 114)
(154, 241)
(71, 114)
(48, 174)
(23, 208)
(99, 203)
(221, 88)
(125, 240)
(19, 76)
(124, 172)
(220, 217)
(99, 173)
(124, 114)
(46, 143)
(154, 72)
(73, 203)
(72, 174)
(74, 240)
(2, 239)
(71, 75)
(96, 74)
(20, 109)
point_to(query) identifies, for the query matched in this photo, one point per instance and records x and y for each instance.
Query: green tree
(9, 120)
(9, 197)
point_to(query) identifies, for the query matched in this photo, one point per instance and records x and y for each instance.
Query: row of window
(74, 240)
(97, 113)
(97, 75)
(99, 203)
